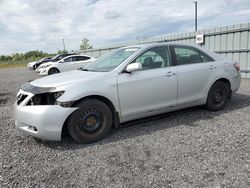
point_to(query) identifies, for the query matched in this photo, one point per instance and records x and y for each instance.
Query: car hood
(67, 78)
(48, 63)
(32, 63)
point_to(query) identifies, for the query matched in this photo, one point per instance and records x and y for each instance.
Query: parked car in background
(60, 56)
(67, 63)
(128, 83)
(55, 59)
(31, 65)
(44, 60)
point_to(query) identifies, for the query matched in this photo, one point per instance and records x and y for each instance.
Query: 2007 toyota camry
(128, 83)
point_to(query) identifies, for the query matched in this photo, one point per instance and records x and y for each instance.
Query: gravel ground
(188, 148)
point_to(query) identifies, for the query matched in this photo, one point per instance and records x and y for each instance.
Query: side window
(205, 58)
(69, 59)
(154, 58)
(83, 58)
(75, 58)
(189, 55)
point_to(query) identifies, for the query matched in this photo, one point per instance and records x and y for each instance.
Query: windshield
(41, 60)
(54, 58)
(110, 61)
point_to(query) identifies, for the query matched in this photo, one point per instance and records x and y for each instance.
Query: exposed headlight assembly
(45, 95)
(45, 98)
(57, 94)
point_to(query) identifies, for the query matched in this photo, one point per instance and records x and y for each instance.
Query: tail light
(237, 66)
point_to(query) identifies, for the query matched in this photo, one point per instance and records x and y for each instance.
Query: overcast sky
(42, 24)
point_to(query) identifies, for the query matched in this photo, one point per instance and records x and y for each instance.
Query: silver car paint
(186, 86)
(147, 91)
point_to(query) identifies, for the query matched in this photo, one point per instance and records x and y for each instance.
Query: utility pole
(63, 45)
(195, 15)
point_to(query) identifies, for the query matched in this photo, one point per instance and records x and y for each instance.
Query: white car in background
(31, 65)
(68, 63)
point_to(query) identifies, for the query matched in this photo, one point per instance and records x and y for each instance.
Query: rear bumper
(235, 83)
(42, 121)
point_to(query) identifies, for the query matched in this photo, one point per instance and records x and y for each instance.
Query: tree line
(36, 55)
(21, 57)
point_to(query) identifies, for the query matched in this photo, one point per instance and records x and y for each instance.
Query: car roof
(159, 44)
(156, 44)
(77, 55)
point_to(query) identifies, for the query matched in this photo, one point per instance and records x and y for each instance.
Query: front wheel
(218, 96)
(91, 122)
(34, 67)
(53, 71)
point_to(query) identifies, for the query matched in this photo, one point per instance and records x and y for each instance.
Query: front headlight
(45, 66)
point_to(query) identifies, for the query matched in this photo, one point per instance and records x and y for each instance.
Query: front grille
(21, 98)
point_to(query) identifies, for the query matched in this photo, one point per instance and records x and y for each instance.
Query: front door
(152, 88)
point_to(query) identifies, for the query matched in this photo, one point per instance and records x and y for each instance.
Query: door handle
(212, 67)
(168, 74)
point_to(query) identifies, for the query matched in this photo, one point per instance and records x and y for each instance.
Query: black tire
(34, 67)
(91, 122)
(53, 71)
(218, 96)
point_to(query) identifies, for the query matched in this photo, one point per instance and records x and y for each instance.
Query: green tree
(17, 57)
(24, 57)
(85, 44)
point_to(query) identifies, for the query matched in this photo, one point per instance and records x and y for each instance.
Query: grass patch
(12, 65)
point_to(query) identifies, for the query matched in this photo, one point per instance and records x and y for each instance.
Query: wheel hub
(218, 97)
(90, 121)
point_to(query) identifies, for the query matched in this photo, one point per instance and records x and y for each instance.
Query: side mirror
(61, 61)
(134, 67)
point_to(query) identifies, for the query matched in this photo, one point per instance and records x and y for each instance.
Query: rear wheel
(218, 96)
(91, 122)
(53, 71)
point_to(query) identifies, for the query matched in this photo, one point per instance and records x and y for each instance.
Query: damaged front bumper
(41, 121)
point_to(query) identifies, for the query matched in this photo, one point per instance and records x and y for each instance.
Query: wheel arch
(223, 79)
(53, 67)
(227, 81)
(115, 114)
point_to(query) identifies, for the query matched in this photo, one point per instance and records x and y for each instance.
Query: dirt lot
(189, 148)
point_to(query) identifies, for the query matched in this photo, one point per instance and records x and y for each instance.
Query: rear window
(189, 55)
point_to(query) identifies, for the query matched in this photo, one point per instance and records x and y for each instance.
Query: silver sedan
(128, 83)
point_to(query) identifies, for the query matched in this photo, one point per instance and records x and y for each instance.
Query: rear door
(152, 88)
(196, 70)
